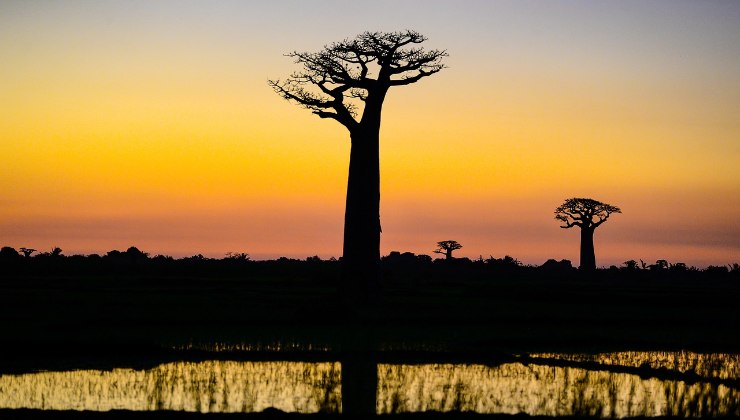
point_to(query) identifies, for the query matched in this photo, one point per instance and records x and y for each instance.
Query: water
(612, 385)
(545, 390)
(210, 386)
(714, 365)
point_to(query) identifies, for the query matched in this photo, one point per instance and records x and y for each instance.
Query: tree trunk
(361, 259)
(448, 256)
(588, 257)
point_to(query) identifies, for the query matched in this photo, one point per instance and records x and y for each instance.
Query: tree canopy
(446, 247)
(337, 81)
(586, 213)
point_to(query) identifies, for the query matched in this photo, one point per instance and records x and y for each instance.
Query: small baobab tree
(348, 81)
(446, 248)
(27, 251)
(587, 214)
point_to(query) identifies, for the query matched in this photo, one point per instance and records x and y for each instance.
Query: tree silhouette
(348, 81)
(446, 248)
(27, 251)
(587, 214)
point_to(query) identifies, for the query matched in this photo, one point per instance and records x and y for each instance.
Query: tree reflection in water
(528, 386)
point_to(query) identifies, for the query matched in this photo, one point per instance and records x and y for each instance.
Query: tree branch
(336, 81)
(413, 79)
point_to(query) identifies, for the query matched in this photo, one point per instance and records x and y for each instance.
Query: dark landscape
(127, 310)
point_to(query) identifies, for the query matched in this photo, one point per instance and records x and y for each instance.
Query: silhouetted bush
(396, 267)
(717, 270)
(631, 265)
(659, 265)
(9, 254)
(506, 263)
(554, 265)
(241, 256)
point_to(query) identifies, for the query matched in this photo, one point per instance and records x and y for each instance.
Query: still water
(571, 385)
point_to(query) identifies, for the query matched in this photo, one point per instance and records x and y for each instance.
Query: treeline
(395, 266)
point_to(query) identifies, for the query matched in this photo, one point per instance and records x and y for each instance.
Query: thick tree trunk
(588, 257)
(361, 259)
(448, 255)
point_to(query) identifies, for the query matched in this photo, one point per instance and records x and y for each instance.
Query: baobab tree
(587, 214)
(27, 251)
(446, 248)
(347, 82)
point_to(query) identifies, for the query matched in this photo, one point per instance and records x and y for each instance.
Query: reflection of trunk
(588, 257)
(359, 371)
(359, 385)
(361, 256)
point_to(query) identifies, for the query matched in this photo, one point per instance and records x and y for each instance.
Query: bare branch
(337, 81)
(413, 79)
(292, 90)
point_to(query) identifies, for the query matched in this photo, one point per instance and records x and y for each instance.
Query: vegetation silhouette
(127, 307)
(27, 252)
(581, 212)
(446, 248)
(348, 81)
(408, 264)
(8, 253)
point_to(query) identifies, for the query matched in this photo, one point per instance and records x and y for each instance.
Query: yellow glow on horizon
(148, 120)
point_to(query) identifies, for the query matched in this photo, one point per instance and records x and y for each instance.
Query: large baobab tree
(446, 248)
(347, 82)
(587, 214)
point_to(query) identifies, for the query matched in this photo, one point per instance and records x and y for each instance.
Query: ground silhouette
(348, 81)
(587, 214)
(130, 309)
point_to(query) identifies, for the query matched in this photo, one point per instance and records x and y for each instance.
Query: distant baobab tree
(587, 214)
(347, 81)
(27, 251)
(446, 248)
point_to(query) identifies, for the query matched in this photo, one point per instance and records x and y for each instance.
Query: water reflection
(358, 384)
(212, 386)
(545, 390)
(715, 365)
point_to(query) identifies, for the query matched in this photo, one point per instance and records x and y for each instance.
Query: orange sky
(153, 125)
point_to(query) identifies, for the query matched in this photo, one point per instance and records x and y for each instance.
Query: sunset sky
(151, 123)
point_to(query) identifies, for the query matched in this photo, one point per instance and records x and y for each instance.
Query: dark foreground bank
(127, 309)
(300, 307)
